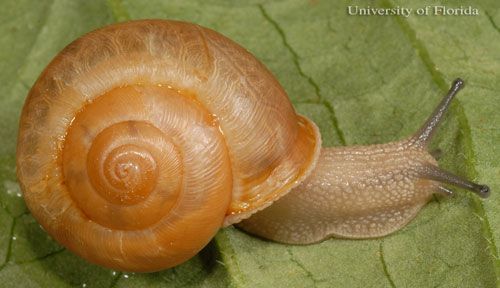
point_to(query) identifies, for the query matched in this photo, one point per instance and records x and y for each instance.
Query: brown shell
(141, 139)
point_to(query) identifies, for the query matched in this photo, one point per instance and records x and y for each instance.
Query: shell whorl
(141, 139)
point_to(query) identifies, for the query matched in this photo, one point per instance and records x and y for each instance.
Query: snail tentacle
(437, 174)
(425, 133)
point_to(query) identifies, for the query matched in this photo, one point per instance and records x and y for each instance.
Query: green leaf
(363, 79)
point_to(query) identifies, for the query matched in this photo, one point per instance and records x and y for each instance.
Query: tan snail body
(141, 139)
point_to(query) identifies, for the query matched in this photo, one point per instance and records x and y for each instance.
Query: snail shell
(140, 140)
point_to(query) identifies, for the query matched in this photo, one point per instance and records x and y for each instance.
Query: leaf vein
(309, 79)
(302, 267)
(9, 245)
(384, 264)
(492, 21)
(48, 255)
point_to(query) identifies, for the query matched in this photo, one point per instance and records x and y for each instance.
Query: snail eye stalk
(432, 172)
(423, 137)
(424, 134)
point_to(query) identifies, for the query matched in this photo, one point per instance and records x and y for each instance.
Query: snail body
(354, 192)
(141, 139)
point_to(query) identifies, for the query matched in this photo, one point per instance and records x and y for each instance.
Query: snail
(140, 140)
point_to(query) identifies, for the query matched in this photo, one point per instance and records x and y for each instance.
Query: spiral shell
(141, 139)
